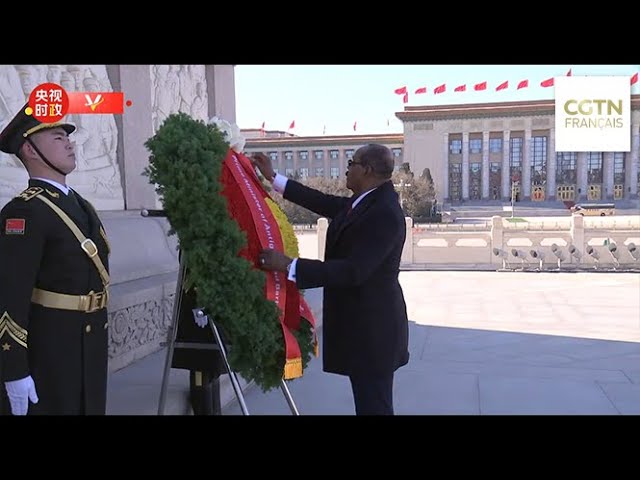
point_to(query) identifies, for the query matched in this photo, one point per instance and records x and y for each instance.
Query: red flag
(569, 73)
(405, 99)
(480, 86)
(400, 91)
(441, 89)
(15, 226)
(421, 90)
(523, 84)
(634, 79)
(292, 125)
(355, 125)
(460, 88)
(547, 83)
(503, 86)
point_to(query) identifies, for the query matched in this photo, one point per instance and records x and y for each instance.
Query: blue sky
(336, 96)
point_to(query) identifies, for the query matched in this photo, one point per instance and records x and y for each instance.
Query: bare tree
(417, 194)
(298, 215)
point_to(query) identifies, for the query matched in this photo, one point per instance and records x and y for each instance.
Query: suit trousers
(372, 394)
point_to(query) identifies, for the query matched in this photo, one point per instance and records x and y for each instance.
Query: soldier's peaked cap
(21, 126)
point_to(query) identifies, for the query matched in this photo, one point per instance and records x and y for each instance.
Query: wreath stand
(199, 316)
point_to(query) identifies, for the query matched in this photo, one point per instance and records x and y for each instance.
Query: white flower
(231, 132)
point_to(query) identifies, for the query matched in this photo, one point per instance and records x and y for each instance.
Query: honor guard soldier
(53, 281)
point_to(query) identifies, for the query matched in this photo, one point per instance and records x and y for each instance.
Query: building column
(581, 176)
(526, 165)
(221, 91)
(485, 165)
(465, 166)
(632, 166)
(134, 129)
(445, 170)
(281, 162)
(327, 164)
(552, 163)
(607, 175)
(506, 176)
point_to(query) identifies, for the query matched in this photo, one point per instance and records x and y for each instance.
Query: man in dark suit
(365, 326)
(53, 281)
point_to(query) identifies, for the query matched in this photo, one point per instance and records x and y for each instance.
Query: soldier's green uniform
(53, 291)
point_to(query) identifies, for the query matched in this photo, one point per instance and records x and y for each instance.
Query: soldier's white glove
(19, 393)
(201, 319)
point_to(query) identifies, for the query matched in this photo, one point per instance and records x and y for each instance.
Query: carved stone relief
(178, 88)
(139, 325)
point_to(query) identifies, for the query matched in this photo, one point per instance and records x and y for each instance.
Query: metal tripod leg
(288, 397)
(236, 383)
(172, 334)
(232, 375)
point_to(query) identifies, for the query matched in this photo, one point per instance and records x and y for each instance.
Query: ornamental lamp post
(401, 185)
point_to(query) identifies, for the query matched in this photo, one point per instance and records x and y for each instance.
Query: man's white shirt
(59, 186)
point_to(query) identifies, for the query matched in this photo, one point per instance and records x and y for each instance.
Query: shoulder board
(30, 192)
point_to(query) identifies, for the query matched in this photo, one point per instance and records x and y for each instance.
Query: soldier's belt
(92, 302)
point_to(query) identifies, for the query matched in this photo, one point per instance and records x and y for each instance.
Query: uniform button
(87, 328)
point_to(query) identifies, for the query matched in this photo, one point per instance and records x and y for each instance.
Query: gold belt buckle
(89, 247)
(97, 301)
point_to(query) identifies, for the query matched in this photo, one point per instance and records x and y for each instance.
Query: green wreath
(185, 167)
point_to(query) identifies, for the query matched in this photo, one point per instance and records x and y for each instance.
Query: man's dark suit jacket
(365, 327)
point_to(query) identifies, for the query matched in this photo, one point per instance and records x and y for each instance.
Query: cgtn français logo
(593, 114)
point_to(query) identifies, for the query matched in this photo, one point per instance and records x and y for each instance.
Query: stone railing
(573, 243)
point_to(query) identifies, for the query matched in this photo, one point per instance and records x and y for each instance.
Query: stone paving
(482, 343)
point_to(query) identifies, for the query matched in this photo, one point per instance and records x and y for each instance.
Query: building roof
(324, 141)
(485, 110)
(260, 133)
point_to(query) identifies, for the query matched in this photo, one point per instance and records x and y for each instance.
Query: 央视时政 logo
(50, 103)
(593, 114)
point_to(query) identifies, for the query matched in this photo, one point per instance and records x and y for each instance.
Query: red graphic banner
(96, 103)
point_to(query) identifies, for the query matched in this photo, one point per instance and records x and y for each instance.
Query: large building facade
(475, 152)
(308, 157)
(487, 151)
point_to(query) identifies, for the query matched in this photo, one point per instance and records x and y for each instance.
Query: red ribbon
(246, 201)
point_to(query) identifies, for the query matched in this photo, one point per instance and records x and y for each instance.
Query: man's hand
(19, 393)
(273, 260)
(264, 164)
